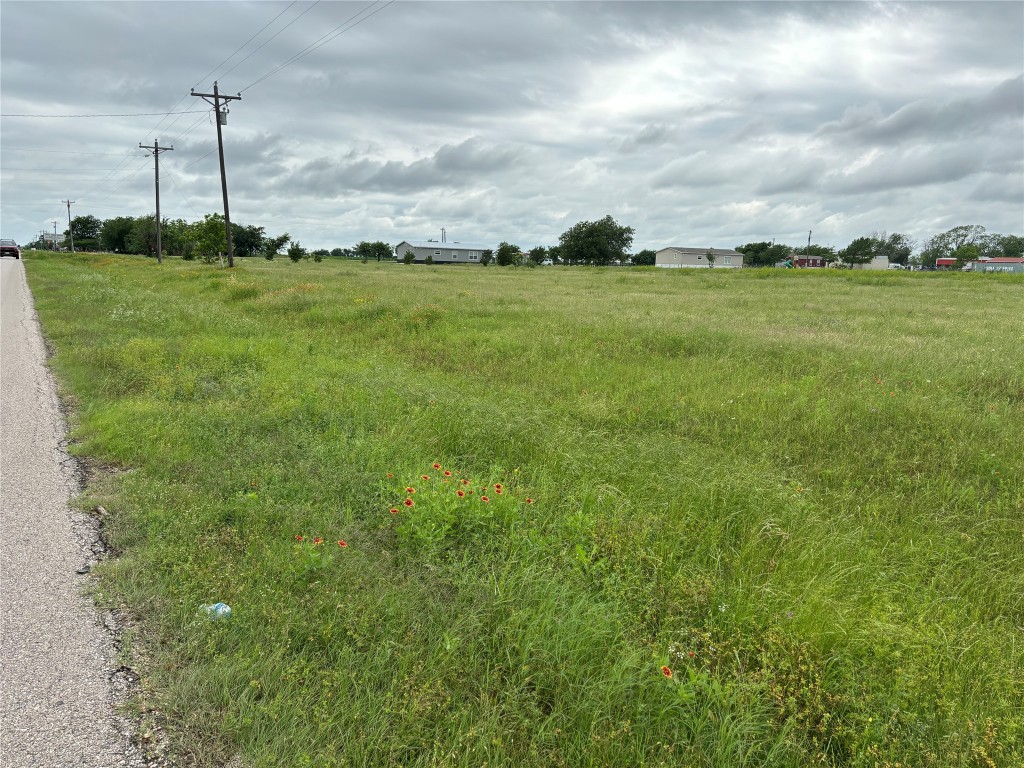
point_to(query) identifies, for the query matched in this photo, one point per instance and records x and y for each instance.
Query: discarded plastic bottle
(217, 610)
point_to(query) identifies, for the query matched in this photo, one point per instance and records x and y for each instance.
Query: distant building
(679, 256)
(879, 262)
(999, 264)
(441, 253)
(810, 262)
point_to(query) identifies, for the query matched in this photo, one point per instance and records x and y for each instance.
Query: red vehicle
(9, 248)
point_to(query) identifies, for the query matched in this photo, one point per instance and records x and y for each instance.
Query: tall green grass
(798, 492)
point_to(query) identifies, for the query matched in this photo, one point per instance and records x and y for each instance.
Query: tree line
(598, 243)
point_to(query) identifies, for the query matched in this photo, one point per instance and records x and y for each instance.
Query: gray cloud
(702, 122)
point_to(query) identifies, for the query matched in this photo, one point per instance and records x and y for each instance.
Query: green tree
(895, 247)
(296, 252)
(538, 254)
(272, 245)
(378, 250)
(646, 258)
(429, 259)
(179, 239)
(710, 256)
(408, 257)
(596, 242)
(555, 254)
(337, 253)
(246, 240)
(209, 237)
(114, 234)
(763, 254)
(995, 246)
(85, 231)
(945, 244)
(860, 251)
(486, 257)
(142, 238)
(507, 255)
(826, 252)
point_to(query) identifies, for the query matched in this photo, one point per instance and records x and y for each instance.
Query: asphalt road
(57, 659)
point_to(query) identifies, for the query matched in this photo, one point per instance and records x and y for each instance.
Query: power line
(251, 53)
(334, 33)
(123, 114)
(239, 48)
(61, 151)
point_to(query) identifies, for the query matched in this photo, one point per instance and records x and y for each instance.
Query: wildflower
(410, 489)
(498, 491)
(667, 672)
(424, 477)
(529, 500)
(318, 541)
(393, 510)
(342, 543)
(465, 481)
(298, 537)
(484, 499)
(460, 493)
(438, 466)
(408, 502)
(390, 474)
(498, 486)
(447, 472)
(691, 654)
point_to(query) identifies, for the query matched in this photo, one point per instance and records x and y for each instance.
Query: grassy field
(732, 518)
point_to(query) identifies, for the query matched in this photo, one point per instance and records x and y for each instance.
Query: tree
(179, 239)
(142, 238)
(826, 252)
(246, 240)
(85, 232)
(408, 257)
(895, 247)
(337, 253)
(378, 250)
(555, 254)
(296, 252)
(209, 237)
(486, 257)
(507, 255)
(429, 259)
(538, 254)
(763, 254)
(646, 258)
(596, 242)
(945, 244)
(114, 233)
(272, 245)
(994, 246)
(860, 251)
(710, 256)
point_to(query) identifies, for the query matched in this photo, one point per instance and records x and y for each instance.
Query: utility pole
(71, 234)
(53, 245)
(156, 149)
(222, 119)
(808, 240)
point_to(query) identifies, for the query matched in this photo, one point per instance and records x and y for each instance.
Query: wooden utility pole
(71, 234)
(156, 149)
(222, 119)
(54, 243)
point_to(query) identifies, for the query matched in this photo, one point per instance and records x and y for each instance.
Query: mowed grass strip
(745, 517)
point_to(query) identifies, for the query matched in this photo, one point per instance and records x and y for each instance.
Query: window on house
(455, 254)
(437, 253)
(728, 259)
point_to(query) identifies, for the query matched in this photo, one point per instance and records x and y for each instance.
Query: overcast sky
(698, 124)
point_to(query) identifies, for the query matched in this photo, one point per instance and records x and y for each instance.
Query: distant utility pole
(442, 235)
(53, 245)
(222, 119)
(156, 149)
(808, 238)
(71, 234)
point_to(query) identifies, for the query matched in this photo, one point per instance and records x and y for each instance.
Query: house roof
(1005, 260)
(702, 251)
(446, 246)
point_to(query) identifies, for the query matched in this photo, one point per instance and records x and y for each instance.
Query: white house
(441, 253)
(678, 256)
